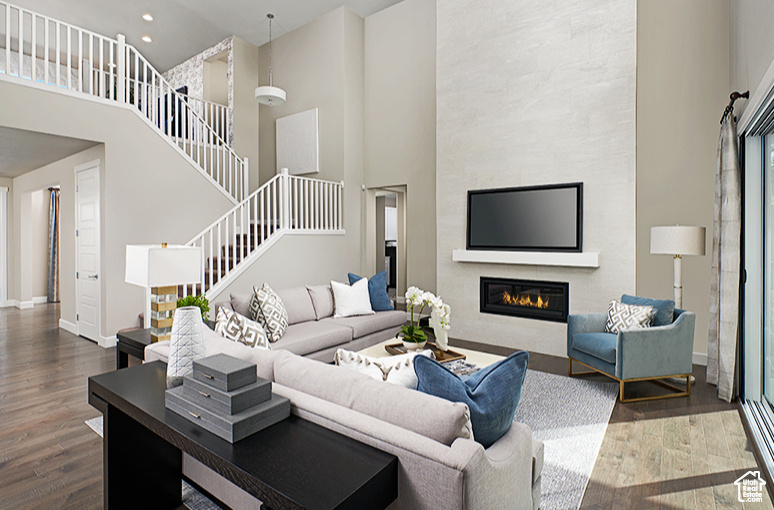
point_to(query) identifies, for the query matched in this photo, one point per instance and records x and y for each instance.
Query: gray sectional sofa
(439, 466)
(312, 330)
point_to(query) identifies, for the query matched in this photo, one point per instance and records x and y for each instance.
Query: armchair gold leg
(621, 391)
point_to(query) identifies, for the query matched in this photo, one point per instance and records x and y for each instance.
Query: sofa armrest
(503, 474)
(585, 323)
(658, 351)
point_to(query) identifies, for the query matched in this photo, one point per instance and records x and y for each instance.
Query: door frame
(369, 240)
(4, 246)
(94, 164)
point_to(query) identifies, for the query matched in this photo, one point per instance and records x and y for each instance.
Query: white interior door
(3, 245)
(87, 246)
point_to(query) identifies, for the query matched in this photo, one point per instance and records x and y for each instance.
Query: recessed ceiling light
(147, 39)
(147, 16)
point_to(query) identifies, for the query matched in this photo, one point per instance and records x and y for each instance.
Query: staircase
(49, 52)
(285, 205)
(46, 53)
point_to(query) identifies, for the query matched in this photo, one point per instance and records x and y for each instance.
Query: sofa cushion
(377, 290)
(298, 304)
(600, 345)
(307, 337)
(241, 304)
(322, 300)
(491, 394)
(435, 418)
(665, 308)
(366, 324)
(351, 300)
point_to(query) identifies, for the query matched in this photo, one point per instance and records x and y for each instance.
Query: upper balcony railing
(51, 52)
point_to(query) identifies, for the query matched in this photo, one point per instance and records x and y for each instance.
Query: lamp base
(163, 305)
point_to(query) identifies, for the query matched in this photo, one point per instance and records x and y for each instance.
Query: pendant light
(270, 95)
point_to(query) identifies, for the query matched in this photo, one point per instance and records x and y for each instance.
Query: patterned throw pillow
(239, 328)
(621, 317)
(269, 311)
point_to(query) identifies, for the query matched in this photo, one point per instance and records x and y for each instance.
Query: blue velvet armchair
(654, 353)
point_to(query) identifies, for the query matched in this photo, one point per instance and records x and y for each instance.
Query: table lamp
(677, 241)
(160, 269)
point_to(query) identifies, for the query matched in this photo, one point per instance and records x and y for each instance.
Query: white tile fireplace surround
(554, 103)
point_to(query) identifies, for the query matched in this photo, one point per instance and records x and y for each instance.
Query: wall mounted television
(533, 218)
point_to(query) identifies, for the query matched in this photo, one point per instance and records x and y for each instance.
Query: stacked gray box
(225, 397)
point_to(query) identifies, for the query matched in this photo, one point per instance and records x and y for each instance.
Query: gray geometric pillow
(239, 328)
(270, 312)
(621, 317)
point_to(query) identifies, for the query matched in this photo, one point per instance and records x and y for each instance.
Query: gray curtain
(726, 267)
(53, 246)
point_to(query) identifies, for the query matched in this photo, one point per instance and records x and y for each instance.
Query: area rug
(192, 498)
(570, 417)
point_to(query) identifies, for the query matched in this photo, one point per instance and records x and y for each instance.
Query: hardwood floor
(680, 453)
(49, 458)
(670, 454)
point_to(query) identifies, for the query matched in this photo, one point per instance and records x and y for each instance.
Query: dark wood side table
(294, 464)
(131, 342)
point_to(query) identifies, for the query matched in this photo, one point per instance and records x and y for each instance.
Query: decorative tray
(440, 356)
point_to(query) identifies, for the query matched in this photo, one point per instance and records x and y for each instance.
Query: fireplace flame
(524, 300)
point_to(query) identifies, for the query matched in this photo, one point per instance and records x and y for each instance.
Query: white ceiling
(183, 28)
(22, 151)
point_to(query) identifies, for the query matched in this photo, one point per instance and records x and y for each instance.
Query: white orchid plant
(416, 297)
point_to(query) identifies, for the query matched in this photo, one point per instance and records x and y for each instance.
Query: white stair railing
(283, 205)
(51, 52)
(216, 115)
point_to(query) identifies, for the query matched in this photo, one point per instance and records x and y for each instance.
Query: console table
(294, 464)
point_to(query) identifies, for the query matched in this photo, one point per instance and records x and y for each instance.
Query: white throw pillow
(621, 317)
(397, 370)
(351, 300)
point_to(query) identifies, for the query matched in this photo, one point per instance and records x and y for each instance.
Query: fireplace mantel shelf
(528, 258)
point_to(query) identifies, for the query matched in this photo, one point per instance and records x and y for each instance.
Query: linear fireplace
(548, 301)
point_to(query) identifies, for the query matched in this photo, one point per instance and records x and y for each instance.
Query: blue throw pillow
(491, 394)
(377, 291)
(665, 308)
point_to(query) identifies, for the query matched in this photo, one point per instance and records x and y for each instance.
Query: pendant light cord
(270, 16)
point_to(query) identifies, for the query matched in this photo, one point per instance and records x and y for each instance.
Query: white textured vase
(185, 345)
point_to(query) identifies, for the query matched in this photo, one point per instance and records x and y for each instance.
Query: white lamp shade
(154, 266)
(677, 240)
(272, 96)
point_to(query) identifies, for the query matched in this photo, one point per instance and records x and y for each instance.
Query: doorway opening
(387, 237)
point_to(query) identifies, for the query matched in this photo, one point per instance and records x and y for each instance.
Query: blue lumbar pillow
(665, 308)
(491, 394)
(377, 291)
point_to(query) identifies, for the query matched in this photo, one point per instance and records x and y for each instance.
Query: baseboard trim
(700, 358)
(107, 341)
(24, 305)
(68, 326)
(40, 300)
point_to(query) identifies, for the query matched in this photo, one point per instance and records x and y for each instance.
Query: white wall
(150, 193)
(536, 93)
(39, 254)
(752, 45)
(400, 118)
(682, 89)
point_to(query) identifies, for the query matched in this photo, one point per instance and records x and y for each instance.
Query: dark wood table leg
(122, 358)
(141, 470)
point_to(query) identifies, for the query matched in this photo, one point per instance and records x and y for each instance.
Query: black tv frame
(578, 227)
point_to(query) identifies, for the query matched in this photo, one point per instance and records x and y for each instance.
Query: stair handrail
(231, 211)
(104, 70)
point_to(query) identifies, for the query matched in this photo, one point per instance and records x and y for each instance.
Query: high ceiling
(22, 151)
(183, 28)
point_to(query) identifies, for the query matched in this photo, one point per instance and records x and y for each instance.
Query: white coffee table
(480, 359)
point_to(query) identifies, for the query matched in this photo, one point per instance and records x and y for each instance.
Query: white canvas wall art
(298, 147)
